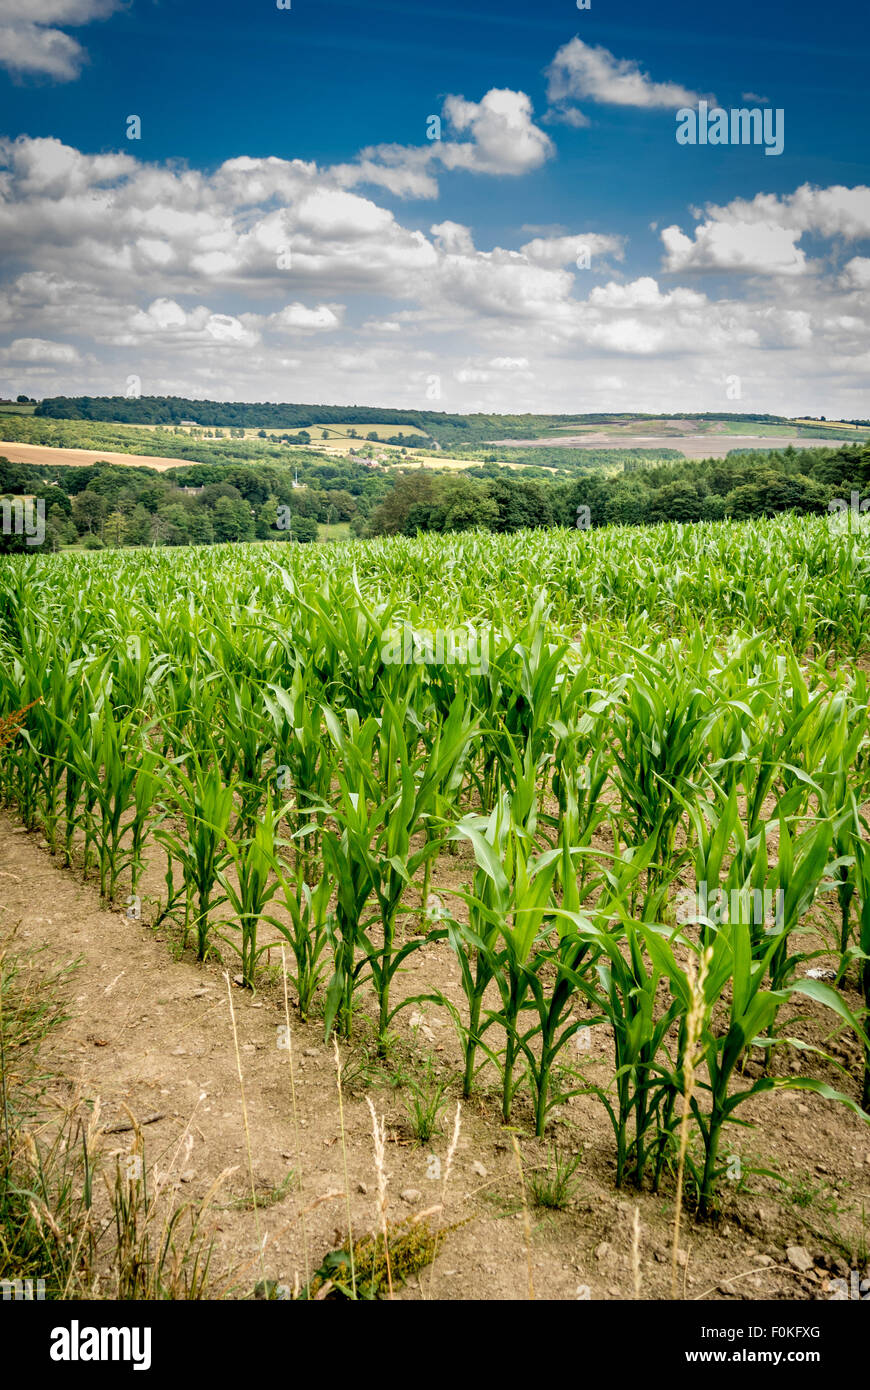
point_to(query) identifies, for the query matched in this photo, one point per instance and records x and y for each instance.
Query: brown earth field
(692, 446)
(148, 1031)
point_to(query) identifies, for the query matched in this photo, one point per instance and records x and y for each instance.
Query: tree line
(201, 504)
(743, 485)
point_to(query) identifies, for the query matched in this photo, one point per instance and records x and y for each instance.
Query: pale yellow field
(832, 424)
(334, 431)
(82, 458)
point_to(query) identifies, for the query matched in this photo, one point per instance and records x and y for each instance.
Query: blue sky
(283, 229)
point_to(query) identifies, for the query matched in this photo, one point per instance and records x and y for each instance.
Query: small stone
(311, 1052)
(188, 1175)
(799, 1258)
(179, 1052)
(361, 1187)
(602, 1250)
(411, 1195)
(479, 1169)
(765, 1260)
(803, 1109)
(613, 1291)
(238, 979)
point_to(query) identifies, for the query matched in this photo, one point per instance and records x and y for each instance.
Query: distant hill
(449, 431)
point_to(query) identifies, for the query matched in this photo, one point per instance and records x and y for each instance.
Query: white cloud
(856, 274)
(582, 71)
(504, 138)
(566, 115)
(758, 248)
(565, 250)
(759, 236)
(643, 293)
(40, 350)
(829, 212)
(294, 317)
(453, 238)
(30, 47)
(168, 322)
(200, 283)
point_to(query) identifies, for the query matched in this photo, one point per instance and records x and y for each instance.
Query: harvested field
(83, 458)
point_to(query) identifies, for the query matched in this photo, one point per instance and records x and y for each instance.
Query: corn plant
(204, 805)
(862, 858)
(734, 990)
(509, 902)
(251, 887)
(660, 730)
(309, 931)
(623, 989)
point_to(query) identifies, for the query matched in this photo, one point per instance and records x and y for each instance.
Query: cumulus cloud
(856, 274)
(38, 350)
(32, 46)
(118, 223)
(759, 235)
(758, 248)
(587, 72)
(565, 250)
(502, 139)
(829, 212)
(297, 316)
(115, 266)
(167, 321)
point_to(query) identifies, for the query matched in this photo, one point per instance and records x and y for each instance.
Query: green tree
(137, 527)
(232, 520)
(89, 510)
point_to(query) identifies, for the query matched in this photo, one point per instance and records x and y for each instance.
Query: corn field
(648, 747)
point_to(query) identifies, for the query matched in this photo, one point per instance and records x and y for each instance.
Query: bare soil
(149, 1029)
